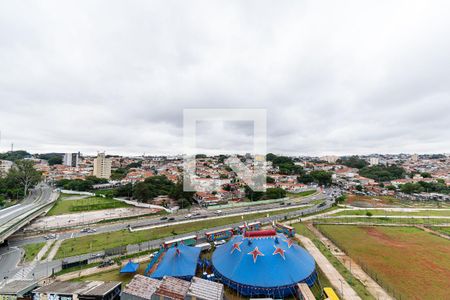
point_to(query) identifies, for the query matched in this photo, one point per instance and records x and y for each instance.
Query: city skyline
(337, 80)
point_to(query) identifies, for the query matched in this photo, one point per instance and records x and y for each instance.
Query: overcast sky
(336, 77)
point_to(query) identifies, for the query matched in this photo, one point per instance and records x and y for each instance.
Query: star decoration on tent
(290, 242)
(178, 252)
(236, 246)
(255, 254)
(280, 251)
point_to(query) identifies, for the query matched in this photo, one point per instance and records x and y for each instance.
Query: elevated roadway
(15, 217)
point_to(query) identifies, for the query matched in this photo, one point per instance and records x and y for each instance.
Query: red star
(236, 246)
(278, 250)
(255, 254)
(290, 242)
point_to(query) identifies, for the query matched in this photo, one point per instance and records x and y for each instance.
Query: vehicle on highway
(88, 230)
(163, 218)
(218, 212)
(106, 263)
(188, 216)
(51, 236)
(171, 219)
(96, 255)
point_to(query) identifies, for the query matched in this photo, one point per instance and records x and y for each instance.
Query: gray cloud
(334, 77)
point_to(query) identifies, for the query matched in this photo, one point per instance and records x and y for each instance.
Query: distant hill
(15, 155)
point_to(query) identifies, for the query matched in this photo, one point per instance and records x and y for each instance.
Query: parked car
(219, 243)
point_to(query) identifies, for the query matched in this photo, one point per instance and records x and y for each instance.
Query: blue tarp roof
(130, 267)
(180, 261)
(274, 263)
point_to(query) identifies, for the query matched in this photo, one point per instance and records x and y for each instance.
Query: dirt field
(389, 201)
(414, 263)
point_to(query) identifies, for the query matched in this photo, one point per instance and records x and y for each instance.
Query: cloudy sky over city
(347, 77)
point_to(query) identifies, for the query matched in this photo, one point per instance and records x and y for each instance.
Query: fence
(374, 275)
(381, 220)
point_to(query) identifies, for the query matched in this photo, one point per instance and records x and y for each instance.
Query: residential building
(71, 159)
(102, 166)
(5, 166)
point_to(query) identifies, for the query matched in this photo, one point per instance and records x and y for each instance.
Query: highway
(45, 268)
(154, 221)
(15, 217)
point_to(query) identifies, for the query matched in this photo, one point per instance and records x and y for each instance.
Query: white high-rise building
(330, 158)
(5, 166)
(374, 161)
(102, 166)
(71, 159)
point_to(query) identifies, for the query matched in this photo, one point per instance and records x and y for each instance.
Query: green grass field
(380, 212)
(31, 250)
(65, 206)
(359, 288)
(412, 263)
(102, 241)
(444, 230)
(301, 194)
(383, 220)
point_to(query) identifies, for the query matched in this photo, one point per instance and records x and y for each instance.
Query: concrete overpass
(13, 218)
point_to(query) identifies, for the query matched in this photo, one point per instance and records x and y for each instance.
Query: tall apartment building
(102, 166)
(330, 158)
(5, 166)
(71, 159)
(374, 161)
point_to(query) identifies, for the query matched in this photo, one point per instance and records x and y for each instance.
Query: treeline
(353, 162)
(285, 164)
(319, 177)
(80, 184)
(422, 186)
(15, 155)
(382, 173)
(153, 187)
(270, 193)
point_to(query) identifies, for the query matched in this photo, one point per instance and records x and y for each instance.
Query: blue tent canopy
(180, 261)
(130, 267)
(266, 265)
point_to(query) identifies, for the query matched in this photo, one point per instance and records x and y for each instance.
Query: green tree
(321, 177)
(55, 160)
(353, 162)
(383, 173)
(25, 174)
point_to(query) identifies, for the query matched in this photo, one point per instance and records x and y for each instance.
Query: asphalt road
(151, 221)
(9, 258)
(38, 197)
(44, 269)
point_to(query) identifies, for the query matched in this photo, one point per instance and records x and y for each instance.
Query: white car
(219, 243)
